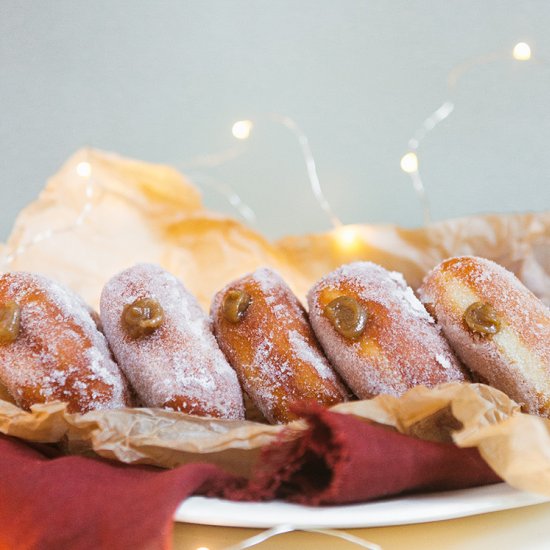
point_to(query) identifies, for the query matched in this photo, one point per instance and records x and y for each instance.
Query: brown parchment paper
(146, 212)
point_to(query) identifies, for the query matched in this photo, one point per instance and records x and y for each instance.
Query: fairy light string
(227, 192)
(282, 529)
(311, 167)
(347, 237)
(409, 161)
(242, 130)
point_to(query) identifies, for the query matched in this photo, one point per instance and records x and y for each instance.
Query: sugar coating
(517, 359)
(59, 355)
(288, 309)
(401, 346)
(180, 364)
(273, 348)
(443, 360)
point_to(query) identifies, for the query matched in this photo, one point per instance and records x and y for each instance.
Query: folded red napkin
(75, 502)
(341, 459)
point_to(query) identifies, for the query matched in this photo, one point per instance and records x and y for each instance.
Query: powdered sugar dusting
(268, 280)
(59, 354)
(273, 348)
(401, 347)
(180, 364)
(443, 360)
(308, 354)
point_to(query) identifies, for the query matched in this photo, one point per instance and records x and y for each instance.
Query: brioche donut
(263, 330)
(51, 349)
(162, 341)
(499, 329)
(377, 334)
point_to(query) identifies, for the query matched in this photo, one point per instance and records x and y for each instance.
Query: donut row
(366, 333)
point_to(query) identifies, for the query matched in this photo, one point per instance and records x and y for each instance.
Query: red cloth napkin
(79, 503)
(342, 459)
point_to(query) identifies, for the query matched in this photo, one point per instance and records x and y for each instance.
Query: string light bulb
(521, 52)
(347, 237)
(241, 129)
(409, 163)
(84, 169)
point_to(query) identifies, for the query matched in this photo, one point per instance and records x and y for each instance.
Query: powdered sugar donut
(376, 332)
(263, 330)
(496, 326)
(162, 340)
(51, 349)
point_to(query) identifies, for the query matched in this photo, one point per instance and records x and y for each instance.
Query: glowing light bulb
(522, 51)
(202, 548)
(241, 129)
(409, 163)
(84, 169)
(348, 237)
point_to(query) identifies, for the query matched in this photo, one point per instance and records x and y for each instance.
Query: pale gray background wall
(165, 80)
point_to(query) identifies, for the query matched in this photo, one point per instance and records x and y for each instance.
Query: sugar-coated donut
(51, 349)
(264, 332)
(377, 334)
(162, 341)
(499, 329)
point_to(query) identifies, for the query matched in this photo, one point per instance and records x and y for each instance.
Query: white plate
(396, 511)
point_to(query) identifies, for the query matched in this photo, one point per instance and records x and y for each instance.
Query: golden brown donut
(51, 349)
(263, 330)
(162, 341)
(499, 329)
(377, 334)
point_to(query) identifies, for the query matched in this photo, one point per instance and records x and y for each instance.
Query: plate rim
(411, 509)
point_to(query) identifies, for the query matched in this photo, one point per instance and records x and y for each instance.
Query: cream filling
(519, 356)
